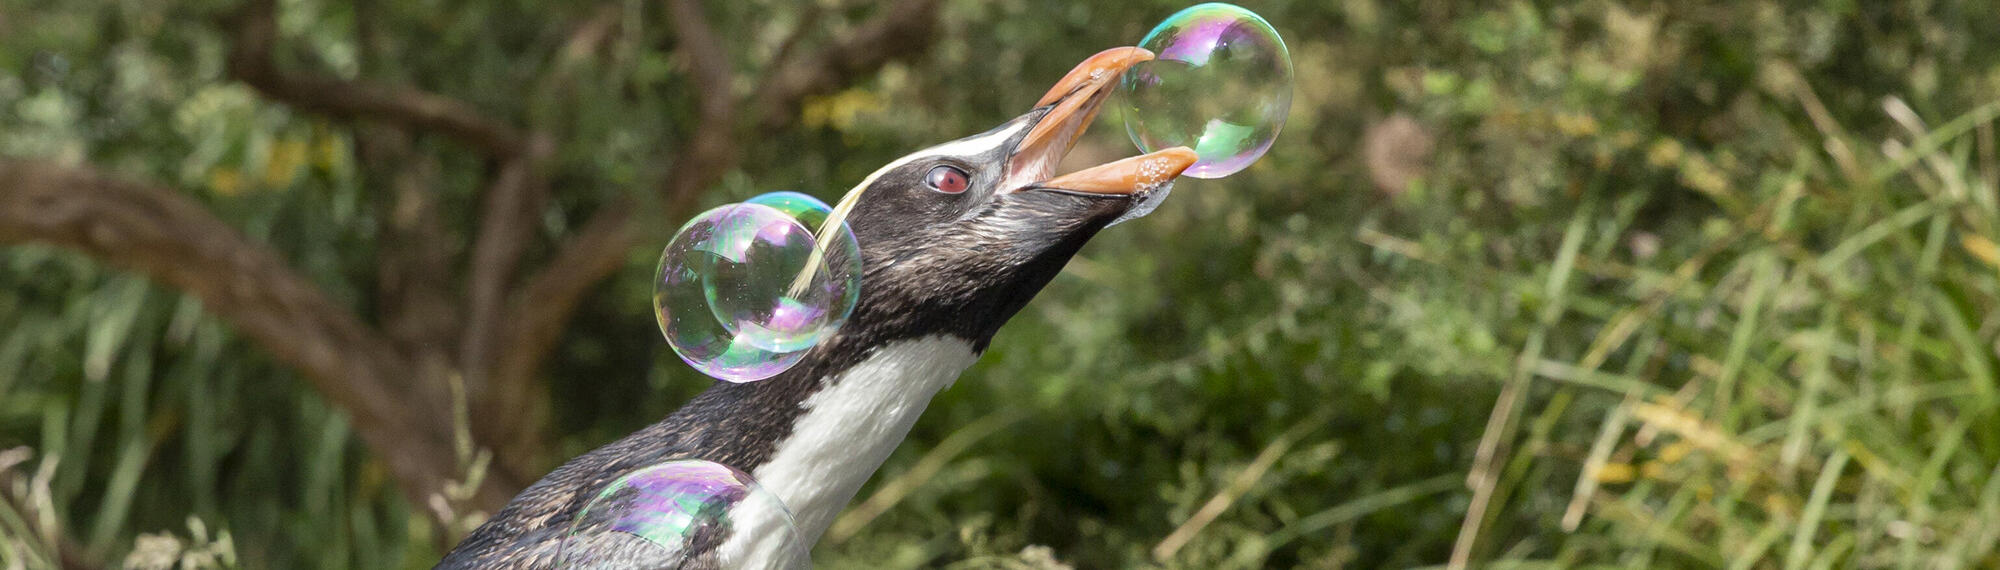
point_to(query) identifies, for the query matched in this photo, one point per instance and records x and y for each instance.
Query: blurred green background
(1530, 284)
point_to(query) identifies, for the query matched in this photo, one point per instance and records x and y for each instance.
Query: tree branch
(507, 418)
(898, 30)
(414, 252)
(251, 61)
(542, 308)
(513, 202)
(175, 241)
(415, 308)
(807, 24)
(714, 134)
(541, 311)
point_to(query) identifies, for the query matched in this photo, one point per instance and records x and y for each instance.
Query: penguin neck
(842, 434)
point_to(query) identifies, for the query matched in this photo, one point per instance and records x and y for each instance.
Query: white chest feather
(848, 429)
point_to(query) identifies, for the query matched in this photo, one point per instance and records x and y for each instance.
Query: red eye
(948, 179)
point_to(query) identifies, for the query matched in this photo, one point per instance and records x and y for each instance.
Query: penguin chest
(846, 431)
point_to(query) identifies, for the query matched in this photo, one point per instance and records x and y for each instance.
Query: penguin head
(957, 237)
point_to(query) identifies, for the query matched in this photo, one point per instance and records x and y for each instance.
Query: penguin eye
(948, 179)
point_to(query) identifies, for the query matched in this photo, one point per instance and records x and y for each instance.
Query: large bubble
(1221, 84)
(744, 289)
(683, 513)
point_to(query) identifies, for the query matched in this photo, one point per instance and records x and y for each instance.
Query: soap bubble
(1221, 84)
(806, 209)
(744, 289)
(683, 513)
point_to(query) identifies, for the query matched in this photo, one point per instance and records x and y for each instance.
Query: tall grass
(1815, 388)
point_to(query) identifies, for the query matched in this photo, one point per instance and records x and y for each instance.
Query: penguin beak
(1071, 106)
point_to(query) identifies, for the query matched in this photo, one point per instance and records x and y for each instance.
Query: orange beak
(1073, 103)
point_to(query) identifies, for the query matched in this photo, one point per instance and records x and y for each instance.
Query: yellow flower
(225, 181)
(1652, 469)
(1675, 452)
(326, 151)
(840, 110)
(1576, 125)
(1664, 153)
(287, 155)
(1615, 473)
(1982, 248)
(1698, 173)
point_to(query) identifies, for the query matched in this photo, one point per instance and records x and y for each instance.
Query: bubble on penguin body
(1220, 83)
(683, 511)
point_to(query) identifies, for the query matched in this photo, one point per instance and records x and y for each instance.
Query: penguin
(955, 239)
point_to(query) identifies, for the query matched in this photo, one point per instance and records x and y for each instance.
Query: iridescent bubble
(744, 289)
(683, 513)
(1221, 84)
(802, 207)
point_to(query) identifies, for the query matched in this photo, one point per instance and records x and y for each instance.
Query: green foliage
(1737, 260)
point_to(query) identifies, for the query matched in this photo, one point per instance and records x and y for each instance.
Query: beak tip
(1179, 158)
(1132, 176)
